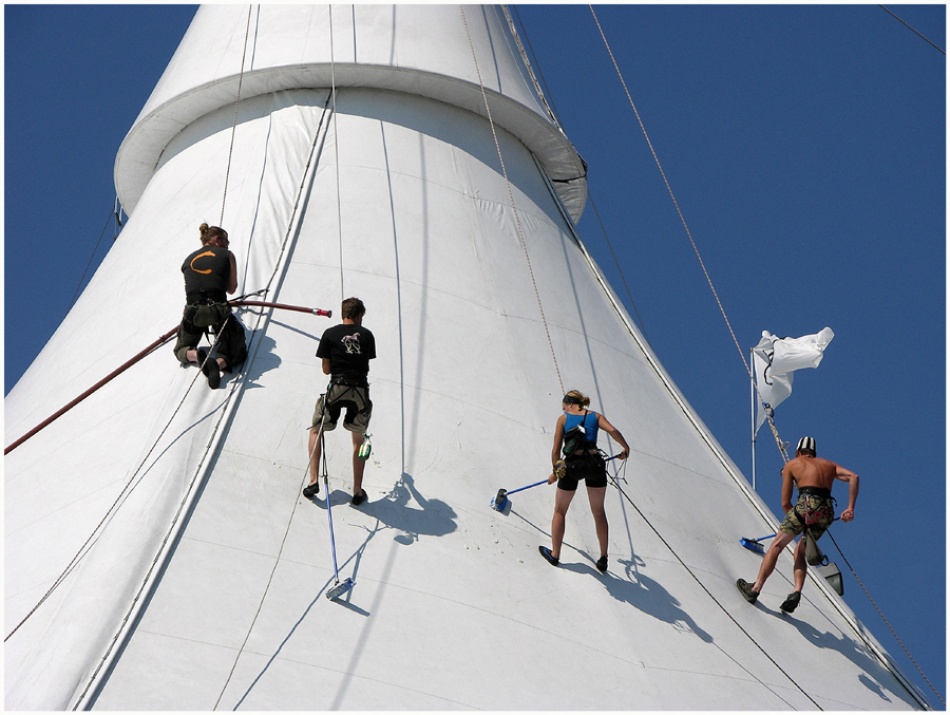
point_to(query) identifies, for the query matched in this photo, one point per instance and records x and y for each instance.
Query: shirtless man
(814, 509)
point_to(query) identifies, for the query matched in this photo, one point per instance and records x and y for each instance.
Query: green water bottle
(365, 448)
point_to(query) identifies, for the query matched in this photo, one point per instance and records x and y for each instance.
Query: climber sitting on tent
(812, 513)
(210, 274)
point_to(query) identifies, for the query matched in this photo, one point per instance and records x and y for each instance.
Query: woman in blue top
(577, 431)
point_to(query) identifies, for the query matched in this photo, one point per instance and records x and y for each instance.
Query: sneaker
(359, 498)
(791, 603)
(213, 372)
(311, 489)
(745, 589)
(546, 553)
(602, 564)
(202, 356)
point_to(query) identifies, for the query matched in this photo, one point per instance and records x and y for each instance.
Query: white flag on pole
(775, 359)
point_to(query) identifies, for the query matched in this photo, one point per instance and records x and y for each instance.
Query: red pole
(125, 366)
(167, 336)
(284, 306)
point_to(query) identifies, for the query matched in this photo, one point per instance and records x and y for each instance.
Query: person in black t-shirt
(210, 275)
(345, 350)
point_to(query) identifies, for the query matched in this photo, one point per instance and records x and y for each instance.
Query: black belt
(349, 382)
(815, 491)
(200, 297)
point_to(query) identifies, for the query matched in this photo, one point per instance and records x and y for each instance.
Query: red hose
(129, 363)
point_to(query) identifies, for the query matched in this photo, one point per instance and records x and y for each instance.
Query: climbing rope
(712, 596)
(336, 152)
(778, 441)
(138, 601)
(527, 64)
(82, 278)
(916, 32)
(883, 618)
(237, 103)
(135, 475)
(511, 198)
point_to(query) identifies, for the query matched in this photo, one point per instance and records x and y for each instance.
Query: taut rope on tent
(511, 198)
(886, 622)
(237, 104)
(135, 473)
(151, 348)
(778, 441)
(336, 151)
(211, 449)
(550, 105)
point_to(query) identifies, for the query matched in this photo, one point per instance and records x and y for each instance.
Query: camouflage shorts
(811, 511)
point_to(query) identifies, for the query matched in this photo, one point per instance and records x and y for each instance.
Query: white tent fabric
(182, 569)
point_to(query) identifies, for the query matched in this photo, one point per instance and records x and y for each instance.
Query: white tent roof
(182, 568)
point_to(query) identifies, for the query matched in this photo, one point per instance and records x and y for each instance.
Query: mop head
(752, 545)
(340, 588)
(500, 500)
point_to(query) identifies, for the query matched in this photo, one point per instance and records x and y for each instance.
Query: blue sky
(806, 147)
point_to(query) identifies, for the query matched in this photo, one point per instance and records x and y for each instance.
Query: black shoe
(213, 372)
(546, 553)
(791, 603)
(358, 499)
(746, 590)
(602, 564)
(311, 489)
(202, 356)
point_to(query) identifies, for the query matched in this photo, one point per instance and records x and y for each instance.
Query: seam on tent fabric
(186, 507)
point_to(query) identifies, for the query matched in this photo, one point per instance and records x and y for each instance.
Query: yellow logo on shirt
(201, 255)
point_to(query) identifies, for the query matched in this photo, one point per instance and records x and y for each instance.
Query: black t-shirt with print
(349, 348)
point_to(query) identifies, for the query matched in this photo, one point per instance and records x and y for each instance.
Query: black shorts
(590, 467)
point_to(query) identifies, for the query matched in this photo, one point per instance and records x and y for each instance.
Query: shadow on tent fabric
(651, 598)
(261, 358)
(434, 517)
(849, 648)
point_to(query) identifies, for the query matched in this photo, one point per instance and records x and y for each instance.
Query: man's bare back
(812, 472)
(806, 470)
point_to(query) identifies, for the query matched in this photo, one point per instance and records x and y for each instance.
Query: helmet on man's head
(807, 444)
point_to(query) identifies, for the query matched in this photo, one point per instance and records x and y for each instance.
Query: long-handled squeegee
(500, 500)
